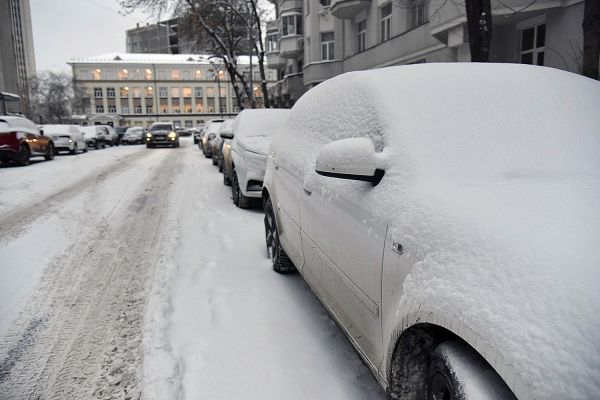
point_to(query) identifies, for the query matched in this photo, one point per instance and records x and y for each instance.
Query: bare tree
(234, 26)
(591, 39)
(53, 97)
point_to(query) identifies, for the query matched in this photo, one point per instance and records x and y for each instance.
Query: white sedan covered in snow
(251, 135)
(447, 215)
(66, 137)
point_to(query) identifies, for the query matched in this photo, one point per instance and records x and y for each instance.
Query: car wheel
(103, 145)
(220, 163)
(214, 161)
(281, 262)
(148, 145)
(226, 180)
(85, 149)
(97, 145)
(74, 151)
(24, 155)
(50, 153)
(238, 197)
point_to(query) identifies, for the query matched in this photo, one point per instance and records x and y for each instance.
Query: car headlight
(148, 135)
(172, 135)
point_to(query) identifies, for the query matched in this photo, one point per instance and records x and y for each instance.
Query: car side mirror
(226, 134)
(352, 158)
(42, 132)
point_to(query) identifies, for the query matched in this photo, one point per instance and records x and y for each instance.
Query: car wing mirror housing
(226, 134)
(352, 158)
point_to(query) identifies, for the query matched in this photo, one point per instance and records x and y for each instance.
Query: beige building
(314, 40)
(139, 89)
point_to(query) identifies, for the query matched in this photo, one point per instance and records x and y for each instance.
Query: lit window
(123, 74)
(124, 91)
(533, 45)
(137, 92)
(327, 46)
(96, 74)
(175, 92)
(175, 74)
(187, 92)
(149, 91)
(148, 74)
(210, 92)
(385, 23)
(198, 74)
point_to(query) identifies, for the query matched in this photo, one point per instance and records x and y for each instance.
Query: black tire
(281, 262)
(443, 382)
(148, 145)
(97, 145)
(103, 145)
(74, 151)
(215, 161)
(50, 153)
(226, 180)
(220, 163)
(239, 199)
(24, 155)
(85, 150)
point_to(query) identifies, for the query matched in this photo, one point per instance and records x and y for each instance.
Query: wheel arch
(424, 333)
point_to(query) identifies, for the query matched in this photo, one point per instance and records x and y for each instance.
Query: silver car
(447, 216)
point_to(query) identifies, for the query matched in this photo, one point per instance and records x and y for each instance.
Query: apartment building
(17, 58)
(139, 89)
(314, 40)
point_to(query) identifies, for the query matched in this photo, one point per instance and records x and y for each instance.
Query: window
(198, 74)
(110, 92)
(148, 74)
(175, 92)
(187, 92)
(223, 92)
(362, 35)
(148, 109)
(96, 74)
(138, 109)
(210, 92)
(112, 109)
(199, 106)
(84, 74)
(326, 46)
(292, 25)
(222, 105)
(198, 91)
(189, 124)
(186, 75)
(149, 91)
(98, 92)
(162, 92)
(418, 13)
(124, 91)
(99, 109)
(325, 3)
(123, 74)
(125, 109)
(385, 23)
(162, 74)
(533, 42)
(175, 74)
(137, 92)
(210, 104)
(272, 42)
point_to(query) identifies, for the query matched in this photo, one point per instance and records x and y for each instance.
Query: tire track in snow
(92, 301)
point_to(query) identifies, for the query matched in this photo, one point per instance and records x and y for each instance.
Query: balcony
(291, 46)
(346, 9)
(274, 61)
(293, 86)
(320, 71)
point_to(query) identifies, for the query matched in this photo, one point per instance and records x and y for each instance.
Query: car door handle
(307, 189)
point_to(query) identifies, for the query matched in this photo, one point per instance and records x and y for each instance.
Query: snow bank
(492, 186)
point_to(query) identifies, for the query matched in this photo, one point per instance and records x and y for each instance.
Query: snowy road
(128, 273)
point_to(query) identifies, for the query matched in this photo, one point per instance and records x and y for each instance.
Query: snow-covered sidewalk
(222, 325)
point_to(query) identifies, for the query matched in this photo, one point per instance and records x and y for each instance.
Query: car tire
(443, 382)
(97, 145)
(74, 151)
(24, 155)
(281, 262)
(239, 199)
(214, 161)
(226, 180)
(103, 145)
(50, 153)
(220, 163)
(148, 145)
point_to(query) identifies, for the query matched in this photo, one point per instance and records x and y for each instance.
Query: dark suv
(162, 133)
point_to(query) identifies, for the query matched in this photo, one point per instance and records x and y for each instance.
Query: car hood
(255, 144)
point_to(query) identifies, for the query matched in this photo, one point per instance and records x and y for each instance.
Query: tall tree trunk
(591, 39)
(479, 23)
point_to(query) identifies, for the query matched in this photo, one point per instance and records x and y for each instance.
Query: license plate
(160, 138)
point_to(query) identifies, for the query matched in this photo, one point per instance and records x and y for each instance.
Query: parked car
(112, 135)
(217, 144)
(135, 134)
(121, 132)
(226, 167)
(252, 131)
(162, 134)
(197, 131)
(95, 136)
(21, 139)
(66, 138)
(447, 217)
(184, 132)
(211, 127)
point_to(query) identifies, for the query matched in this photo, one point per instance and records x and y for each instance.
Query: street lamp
(218, 75)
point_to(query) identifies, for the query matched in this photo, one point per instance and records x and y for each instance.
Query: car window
(161, 127)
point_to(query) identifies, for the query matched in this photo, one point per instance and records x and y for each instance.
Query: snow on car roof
(492, 186)
(260, 122)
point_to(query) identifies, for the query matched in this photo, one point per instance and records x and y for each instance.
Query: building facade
(314, 40)
(159, 38)
(17, 58)
(139, 89)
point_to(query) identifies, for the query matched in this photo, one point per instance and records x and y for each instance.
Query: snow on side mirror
(226, 134)
(352, 158)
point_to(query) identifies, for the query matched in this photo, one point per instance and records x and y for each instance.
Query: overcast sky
(65, 29)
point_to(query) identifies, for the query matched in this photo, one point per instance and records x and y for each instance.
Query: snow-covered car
(447, 217)
(95, 136)
(66, 138)
(253, 130)
(217, 144)
(112, 135)
(209, 133)
(135, 134)
(162, 134)
(21, 139)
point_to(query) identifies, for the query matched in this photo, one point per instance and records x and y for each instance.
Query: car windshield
(134, 131)
(161, 127)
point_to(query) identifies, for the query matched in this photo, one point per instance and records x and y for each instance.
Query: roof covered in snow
(153, 58)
